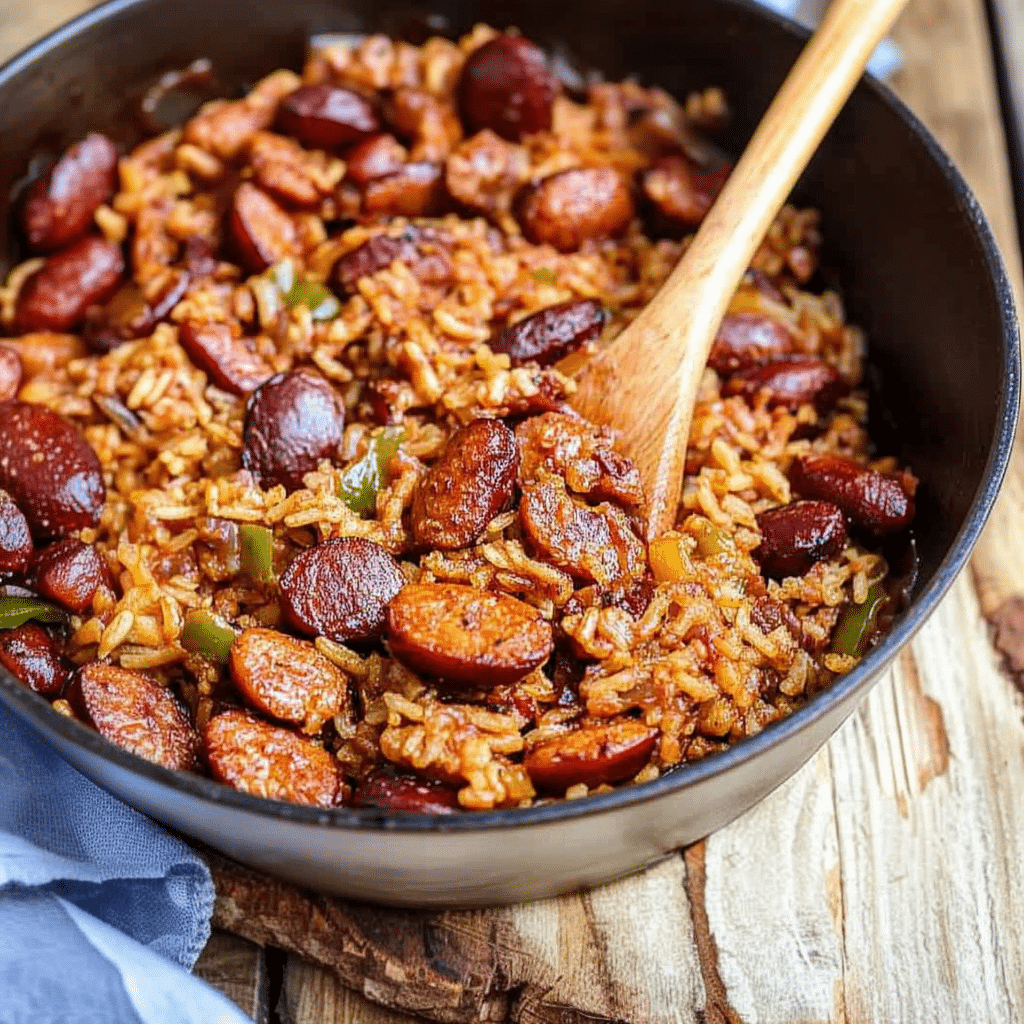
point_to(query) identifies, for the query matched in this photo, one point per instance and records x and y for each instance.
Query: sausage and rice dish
(293, 493)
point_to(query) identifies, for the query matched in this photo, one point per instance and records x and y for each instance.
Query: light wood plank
(238, 969)
(313, 995)
(929, 867)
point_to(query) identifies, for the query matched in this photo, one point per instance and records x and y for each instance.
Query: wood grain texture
(238, 968)
(881, 883)
(313, 995)
(645, 383)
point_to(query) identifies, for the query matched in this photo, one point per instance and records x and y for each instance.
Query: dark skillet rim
(37, 712)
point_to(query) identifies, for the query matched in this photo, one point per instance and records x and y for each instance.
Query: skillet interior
(918, 271)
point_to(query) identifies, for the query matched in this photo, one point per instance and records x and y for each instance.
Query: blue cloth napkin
(102, 912)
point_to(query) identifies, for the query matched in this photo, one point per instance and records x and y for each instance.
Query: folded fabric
(102, 912)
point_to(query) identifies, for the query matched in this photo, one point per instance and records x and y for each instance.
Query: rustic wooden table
(882, 883)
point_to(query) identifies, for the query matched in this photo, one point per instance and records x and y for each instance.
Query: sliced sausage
(340, 589)
(292, 422)
(326, 116)
(467, 487)
(56, 297)
(270, 761)
(68, 572)
(796, 536)
(389, 789)
(570, 207)
(281, 167)
(682, 191)
(15, 537)
(552, 333)
(592, 544)
(416, 190)
(581, 452)
(790, 383)
(49, 470)
(138, 715)
(232, 363)
(59, 207)
(31, 656)
(868, 498)
(129, 314)
(375, 157)
(593, 755)
(748, 339)
(261, 231)
(507, 86)
(420, 251)
(465, 636)
(287, 679)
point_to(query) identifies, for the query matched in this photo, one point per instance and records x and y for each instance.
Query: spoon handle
(645, 383)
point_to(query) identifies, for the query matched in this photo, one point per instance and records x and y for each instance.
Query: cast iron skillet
(919, 271)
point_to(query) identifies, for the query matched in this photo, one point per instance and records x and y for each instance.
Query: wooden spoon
(645, 383)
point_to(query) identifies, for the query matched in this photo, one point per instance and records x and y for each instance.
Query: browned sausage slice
(415, 190)
(232, 363)
(31, 656)
(280, 167)
(68, 572)
(466, 636)
(682, 191)
(551, 334)
(287, 679)
(467, 487)
(56, 297)
(392, 790)
(748, 339)
(790, 383)
(262, 232)
(796, 536)
(130, 315)
(506, 85)
(375, 157)
(15, 537)
(418, 250)
(567, 208)
(50, 471)
(869, 499)
(270, 761)
(137, 714)
(292, 422)
(340, 589)
(568, 446)
(592, 544)
(592, 755)
(326, 116)
(59, 207)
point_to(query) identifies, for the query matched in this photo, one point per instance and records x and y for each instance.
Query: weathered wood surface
(882, 883)
(238, 968)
